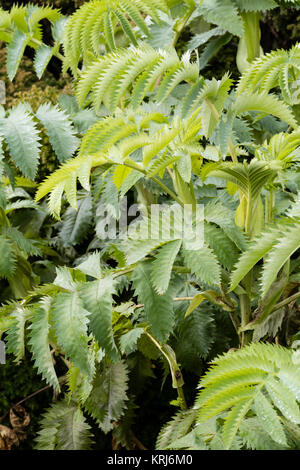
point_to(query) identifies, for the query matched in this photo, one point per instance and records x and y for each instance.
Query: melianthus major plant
(156, 129)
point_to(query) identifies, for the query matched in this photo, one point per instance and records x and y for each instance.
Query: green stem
(156, 180)
(178, 269)
(249, 44)
(178, 28)
(167, 190)
(234, 322)
(57, 54)
(40, 43)
(123, 271)
(174, 369)
(248, 216)
(181, 269)
(245, 318)
(251, 20)
(270, 206)
(245, 304)
(176, 299)
(286, 301)
(4, 220)
(245, 307)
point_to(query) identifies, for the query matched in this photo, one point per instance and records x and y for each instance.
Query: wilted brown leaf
(8, 438)
(19, 419)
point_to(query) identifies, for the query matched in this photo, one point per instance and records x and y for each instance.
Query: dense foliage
(143, 119)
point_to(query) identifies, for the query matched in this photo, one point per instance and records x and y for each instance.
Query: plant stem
(178, 29)
(175, 372)
(234, 321)
(176, 299)
(169, 191)
(129, 269)
(270, 206)
(245, 318)
(61, 381)
(38, 43)
(122, 271)
(286, 301)
(181, 269)
(138, 443)
(248, 216)
(156, 180)
(244, 299)
(57, 54)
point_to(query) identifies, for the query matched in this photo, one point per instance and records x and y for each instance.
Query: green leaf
(284, 400)
(76, 224)
(161, 267)
(176, 428)
(202, 38)
(42, 58)
(24, 244)
(222, 216)
(39, 341)
(264, 103)
(74, 433)
(63, 427)
(212, 48)
(16, 333)
(91, 266)
(22, 138)
(8, 260)
(60, 130)
(255, 5)
(255, 437)
(107, 400)
(222, 13)
(57, 29)
(147, 235)
(70, 321)
(15, 51)
(221, 244)
(204, 264)
(161, 34)
(192, 441)
(108, 78)
(269, 418)
(279, 254)
(233, 421)
(122, 434)
(158, 308)
(128, 341)
(109, 31)
(97, 298)
(271, 246)
(237, 383)
(126, 26)
(196, 301)
(196, 336)
(82, 37)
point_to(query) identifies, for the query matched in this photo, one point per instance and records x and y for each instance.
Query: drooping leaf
(107, 400)
(22, 138)
(63, 427)
(60, 130)
(97, 298)
(39, 341)
(158, 308)
(70, 320)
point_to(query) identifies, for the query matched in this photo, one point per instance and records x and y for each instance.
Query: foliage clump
(136, 110)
